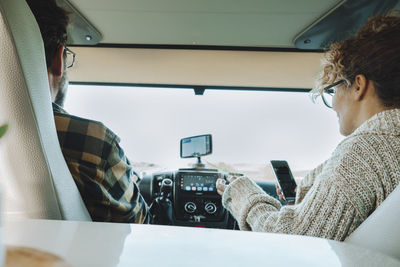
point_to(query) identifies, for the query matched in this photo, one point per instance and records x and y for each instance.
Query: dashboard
(191, 196)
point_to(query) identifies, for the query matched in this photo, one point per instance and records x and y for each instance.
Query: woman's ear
(57, 64)
(360, 87)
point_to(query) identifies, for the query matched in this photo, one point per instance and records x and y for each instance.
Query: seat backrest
(34, 178)
(381, 231)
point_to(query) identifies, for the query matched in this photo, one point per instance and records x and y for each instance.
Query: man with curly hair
(360, 80)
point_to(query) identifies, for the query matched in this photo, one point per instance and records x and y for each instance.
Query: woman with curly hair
(360, 80)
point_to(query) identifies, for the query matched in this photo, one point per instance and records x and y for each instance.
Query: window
(249, 128)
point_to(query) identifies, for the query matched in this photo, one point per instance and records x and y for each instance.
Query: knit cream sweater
(337, 196)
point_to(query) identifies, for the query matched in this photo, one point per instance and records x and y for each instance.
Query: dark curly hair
(53, 22)
(373, 52)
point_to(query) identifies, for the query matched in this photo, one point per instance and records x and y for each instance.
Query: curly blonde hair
(373, 52)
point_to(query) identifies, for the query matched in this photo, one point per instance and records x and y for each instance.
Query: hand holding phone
(285, 179)
(280, 195)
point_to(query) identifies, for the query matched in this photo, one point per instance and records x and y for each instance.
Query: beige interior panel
(195, 67)
(272, 23)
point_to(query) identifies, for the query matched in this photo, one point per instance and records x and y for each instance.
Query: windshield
(248, 128)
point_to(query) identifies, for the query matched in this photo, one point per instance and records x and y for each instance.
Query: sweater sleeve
(324, 212)
(307, 182)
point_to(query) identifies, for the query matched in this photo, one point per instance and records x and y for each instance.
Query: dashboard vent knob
(210, 208)
(190, 207)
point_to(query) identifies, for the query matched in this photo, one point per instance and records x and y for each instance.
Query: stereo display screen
(198, 183)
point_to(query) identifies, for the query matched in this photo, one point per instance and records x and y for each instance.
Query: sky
(249, 127)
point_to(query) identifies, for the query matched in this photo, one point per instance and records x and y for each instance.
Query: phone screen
(285, 179)
(286, 182)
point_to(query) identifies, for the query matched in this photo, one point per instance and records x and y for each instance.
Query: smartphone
(285, 179)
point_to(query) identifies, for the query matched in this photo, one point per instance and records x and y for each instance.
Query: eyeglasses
(70, 57)
(329, 92)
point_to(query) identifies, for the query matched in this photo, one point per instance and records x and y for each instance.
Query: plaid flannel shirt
(102, 172)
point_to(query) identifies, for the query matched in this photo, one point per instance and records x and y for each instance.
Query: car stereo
(197, 183)
(196, 198)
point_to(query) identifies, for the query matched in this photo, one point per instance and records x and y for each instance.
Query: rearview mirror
(196, 146)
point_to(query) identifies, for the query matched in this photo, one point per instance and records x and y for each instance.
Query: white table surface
(109, 244)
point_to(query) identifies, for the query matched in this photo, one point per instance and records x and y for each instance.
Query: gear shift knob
(166, 186)
(161, 208)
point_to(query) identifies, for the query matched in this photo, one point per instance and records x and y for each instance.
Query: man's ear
(57, 65)
(360, 87)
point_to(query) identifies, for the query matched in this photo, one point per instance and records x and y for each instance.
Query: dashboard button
(190, 207)
(210, 208)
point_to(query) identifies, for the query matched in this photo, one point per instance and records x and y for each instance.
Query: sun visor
(341, 22)
(80, 30)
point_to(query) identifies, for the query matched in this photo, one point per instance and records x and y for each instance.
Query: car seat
(380, 231)
(34, 178)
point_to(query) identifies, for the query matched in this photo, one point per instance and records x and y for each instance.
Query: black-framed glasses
(329, 92)
(70, 57)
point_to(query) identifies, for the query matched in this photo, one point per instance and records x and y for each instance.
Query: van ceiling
(254, 23)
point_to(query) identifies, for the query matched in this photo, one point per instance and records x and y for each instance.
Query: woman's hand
(221, 184)
(279, 193)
